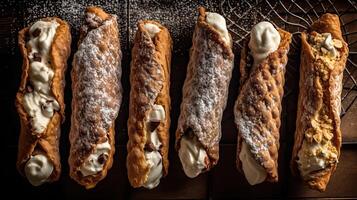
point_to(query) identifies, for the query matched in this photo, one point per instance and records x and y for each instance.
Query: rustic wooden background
(223, 181)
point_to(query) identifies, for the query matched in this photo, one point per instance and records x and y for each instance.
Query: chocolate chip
(102, 158)
(27, 37)
(104, 140)
(29, 88)
(153, 126)
(79, 173)
(36, 32)
(37, 57)
(149, 147)
(44, 107)
(189, 133)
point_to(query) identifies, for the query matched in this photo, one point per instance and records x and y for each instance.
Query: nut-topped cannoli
(258, 106)
(204, 94)
(318, 135)
(45, 47)
(97, 95)
(149, 107)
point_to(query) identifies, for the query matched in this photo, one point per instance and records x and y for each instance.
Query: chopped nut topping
(337, 43)
(318, 137)
(318, 144)
(328, 135)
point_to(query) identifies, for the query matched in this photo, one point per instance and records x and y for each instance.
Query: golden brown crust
(48, 141)
(214, 35)
(205, 89)
(97, 92)
(258, 106)
(150, 84)
(328, 23)
(100, 13)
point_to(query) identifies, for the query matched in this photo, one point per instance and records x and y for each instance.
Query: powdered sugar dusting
(258, 107)
(96, 80)
(205, 89)
(150, 69)
(256, 143)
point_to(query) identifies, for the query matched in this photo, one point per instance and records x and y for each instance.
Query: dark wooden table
(223, 181)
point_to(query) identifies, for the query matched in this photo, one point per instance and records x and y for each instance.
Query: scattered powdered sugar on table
(10, 23)
(73, 12)
(179, 17)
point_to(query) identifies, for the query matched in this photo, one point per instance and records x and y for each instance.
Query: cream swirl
(153, 157)
(253, 171)
(152, 29)
(95, 161)
(37, 169)
(314, 157)
(39, 102)
(192, 156)
(219, 23)
(154, 161)
(264, 39)
(329, 45)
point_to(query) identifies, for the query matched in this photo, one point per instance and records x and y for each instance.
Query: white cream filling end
(328, 44)
(152, 29)
(313, 157)
(219, 23)
(264, 39)
(39, 102)
(95, 161)
(154, 158)
(155, 163)
(253, 171)
(37, 169)
(192, 156)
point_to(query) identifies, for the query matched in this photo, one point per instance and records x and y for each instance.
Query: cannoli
(149, 107)
(45, 47)
(97, 95)
(205, 93)
(318, 135)
(258, 106)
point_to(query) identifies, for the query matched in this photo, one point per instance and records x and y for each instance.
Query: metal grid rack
(296, 16)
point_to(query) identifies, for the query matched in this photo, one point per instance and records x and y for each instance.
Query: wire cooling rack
(296, 16)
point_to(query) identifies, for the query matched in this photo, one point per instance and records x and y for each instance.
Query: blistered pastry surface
(309, 102)
(205, 90)
(97, 91)
(48, 141)
(150, 83)
(258, 107)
